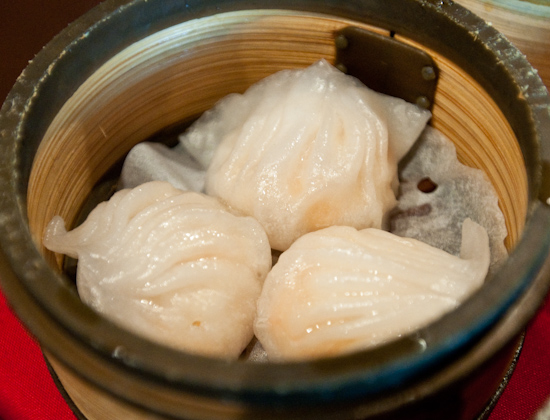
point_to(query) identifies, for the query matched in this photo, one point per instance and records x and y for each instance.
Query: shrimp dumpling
(339, 290)
(306, 149)
(172, 266)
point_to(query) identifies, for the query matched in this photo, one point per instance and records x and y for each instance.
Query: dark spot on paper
(418, 211)
(426, 185)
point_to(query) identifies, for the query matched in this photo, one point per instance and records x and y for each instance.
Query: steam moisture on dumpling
(306, 149)
(173, 266)
(339, 290)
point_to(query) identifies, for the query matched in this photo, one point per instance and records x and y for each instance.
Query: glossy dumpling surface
(306, 149)
(173, 266)
(339, 290)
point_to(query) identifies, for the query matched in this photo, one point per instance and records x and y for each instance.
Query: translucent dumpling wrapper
(149, 161)
(452, 192)
(175, 267)
(305, 149)
(339, 290)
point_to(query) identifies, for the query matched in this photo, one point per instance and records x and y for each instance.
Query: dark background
(26, 26)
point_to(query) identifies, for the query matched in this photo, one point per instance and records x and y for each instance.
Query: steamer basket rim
(22, 276)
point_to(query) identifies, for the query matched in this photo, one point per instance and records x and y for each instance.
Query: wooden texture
(91, 401)
(466, 114)
(184, 70)
(156, 83)
(526, 23)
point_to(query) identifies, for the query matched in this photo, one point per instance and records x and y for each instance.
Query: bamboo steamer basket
(129, 71)
(526, 23)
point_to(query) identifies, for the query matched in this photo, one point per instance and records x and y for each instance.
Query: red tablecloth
(27, 391)
(26, 388)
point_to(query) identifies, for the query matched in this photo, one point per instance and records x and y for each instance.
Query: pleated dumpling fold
(306, 149)
(172, 266)
(339, 290)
